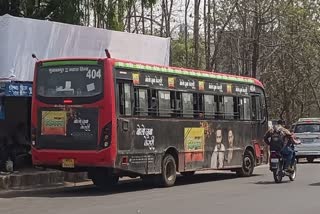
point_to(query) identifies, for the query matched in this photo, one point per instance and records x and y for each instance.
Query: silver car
(307, 130)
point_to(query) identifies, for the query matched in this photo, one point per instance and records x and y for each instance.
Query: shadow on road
(132, 185)
(315, 184)
(271, 182)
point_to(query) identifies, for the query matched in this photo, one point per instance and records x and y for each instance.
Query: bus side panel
(202, 144)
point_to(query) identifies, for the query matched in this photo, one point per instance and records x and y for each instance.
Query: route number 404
(93, 73)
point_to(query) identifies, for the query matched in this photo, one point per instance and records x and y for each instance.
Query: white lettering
(147, 134)
(188, 83)
(215, 87)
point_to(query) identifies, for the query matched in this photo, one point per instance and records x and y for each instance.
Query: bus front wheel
(247, 165)
(168, 172)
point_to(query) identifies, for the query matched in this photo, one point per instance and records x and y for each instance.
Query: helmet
(281, 122)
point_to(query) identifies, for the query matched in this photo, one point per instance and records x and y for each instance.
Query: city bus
(115, 118)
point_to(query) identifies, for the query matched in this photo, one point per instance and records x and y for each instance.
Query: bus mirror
(34, 57)
(263, 120)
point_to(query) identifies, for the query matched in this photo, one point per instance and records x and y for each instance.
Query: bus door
(259, 122)
(124, 108)
(132, 129)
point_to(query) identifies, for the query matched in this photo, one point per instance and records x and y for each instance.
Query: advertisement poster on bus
(54, 123)
(194, 143)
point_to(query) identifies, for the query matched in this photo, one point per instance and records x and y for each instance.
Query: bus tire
(149, 180)
(247, 165)
(103, 180)
(310, 160)
(187, 174)
(168, 171)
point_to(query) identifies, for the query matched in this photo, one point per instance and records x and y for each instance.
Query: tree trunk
(196, 32)
(151, 21)
(205, 21)
(135, 19)
(208, 34)
(129, 18)
(142, 14)
(187, 3)
(256, 40)
(162, 18)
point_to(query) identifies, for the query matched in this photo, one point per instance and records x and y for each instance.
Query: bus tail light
(106, 135)
(125, 161)
(33, 136)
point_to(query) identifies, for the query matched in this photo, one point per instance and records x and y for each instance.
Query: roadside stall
(15, 106)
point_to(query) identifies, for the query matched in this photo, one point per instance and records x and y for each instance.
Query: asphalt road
(202, 193)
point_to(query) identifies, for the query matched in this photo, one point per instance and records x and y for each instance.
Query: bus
(114, 118)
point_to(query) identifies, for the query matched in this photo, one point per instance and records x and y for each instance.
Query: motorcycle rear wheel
(277, 174)
(293, 175)
(277, 177)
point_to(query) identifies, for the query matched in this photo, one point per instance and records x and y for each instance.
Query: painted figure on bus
(233, 151)
(230, 146)
(218, 155)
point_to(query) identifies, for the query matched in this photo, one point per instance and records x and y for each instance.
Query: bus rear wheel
(188, 173)
(247, 165)
(168, 171)
(310, 160)
(103, 180)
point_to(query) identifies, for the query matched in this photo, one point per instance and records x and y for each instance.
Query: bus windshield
(70, 80)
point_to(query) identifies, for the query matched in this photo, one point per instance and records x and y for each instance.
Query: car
(307, 130)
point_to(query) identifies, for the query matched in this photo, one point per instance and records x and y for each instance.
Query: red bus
(115, 118)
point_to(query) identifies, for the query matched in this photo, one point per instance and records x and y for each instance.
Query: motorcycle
(277, 167)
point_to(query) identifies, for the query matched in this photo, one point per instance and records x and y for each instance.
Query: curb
(39, 179)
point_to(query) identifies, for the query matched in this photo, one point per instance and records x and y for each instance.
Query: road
(202, 193)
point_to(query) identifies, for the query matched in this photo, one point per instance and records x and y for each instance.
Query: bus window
(153, 102)
(244, 108)
(187, 105)
(209, 106)
(263, 107)
(164, 104)
(176, 103)
(256, 108)
(236, 108)
(125, 99)
(141, 102)
(219, 104)
(228, 108)
(198, 105)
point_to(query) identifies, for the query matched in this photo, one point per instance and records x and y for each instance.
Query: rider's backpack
(277, 140)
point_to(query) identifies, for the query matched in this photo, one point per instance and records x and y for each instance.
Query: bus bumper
(72, 159)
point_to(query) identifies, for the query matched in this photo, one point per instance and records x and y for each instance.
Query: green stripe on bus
(70, 62)
(181, 72)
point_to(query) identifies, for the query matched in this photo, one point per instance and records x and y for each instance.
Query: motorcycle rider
(293, 141)
(280, 139)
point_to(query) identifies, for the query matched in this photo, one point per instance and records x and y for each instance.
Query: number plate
(68, 163)
(275, 160)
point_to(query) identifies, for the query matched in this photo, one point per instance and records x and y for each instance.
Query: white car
(307, 130)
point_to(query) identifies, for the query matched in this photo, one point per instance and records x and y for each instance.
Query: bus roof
(119, 63)
(186, 72)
